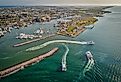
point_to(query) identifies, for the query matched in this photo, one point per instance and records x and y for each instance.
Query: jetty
(34, 40)
(22, 65)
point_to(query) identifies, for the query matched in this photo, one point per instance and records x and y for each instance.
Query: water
(106, 52)
(56, 41)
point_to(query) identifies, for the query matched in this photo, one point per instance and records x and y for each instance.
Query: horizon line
(66, 5)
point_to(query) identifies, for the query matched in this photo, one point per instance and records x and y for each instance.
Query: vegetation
(75, 26)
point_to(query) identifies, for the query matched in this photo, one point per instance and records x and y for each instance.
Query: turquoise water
(106, 52)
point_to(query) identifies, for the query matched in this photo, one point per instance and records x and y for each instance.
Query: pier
(21, 66)
(34, 40)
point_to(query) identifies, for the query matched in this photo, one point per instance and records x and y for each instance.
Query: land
(23, 16)
(75, 26)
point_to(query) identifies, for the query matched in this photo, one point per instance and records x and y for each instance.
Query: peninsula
(75, 26)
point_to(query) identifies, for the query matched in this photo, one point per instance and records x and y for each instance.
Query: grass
(70, 28)
(79, 23)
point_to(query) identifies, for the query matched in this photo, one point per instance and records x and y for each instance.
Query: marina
(34, 40)
(28, 36)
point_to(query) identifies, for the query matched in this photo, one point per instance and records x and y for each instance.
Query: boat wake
(78, 53)
(16, 54)
(90, 73)
(20, 52)
(5, 58)
(64, 68)
(56, 41)
(88, 66)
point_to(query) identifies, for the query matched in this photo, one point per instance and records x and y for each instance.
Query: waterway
(106, 51)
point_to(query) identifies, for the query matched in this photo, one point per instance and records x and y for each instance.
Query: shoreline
(73, 36)
(75, 26)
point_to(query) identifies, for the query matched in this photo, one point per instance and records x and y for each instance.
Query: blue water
(106, 52)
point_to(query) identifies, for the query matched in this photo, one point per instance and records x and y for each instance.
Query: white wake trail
(55, 41)
(63, 62)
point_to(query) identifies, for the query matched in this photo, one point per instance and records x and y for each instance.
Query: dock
(34, 40)
(21, 66)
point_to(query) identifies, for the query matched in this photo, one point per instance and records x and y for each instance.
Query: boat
(39, 31)
(91, 42)
(20, 36)
(89, 55)
(89, 26)
(64, 67)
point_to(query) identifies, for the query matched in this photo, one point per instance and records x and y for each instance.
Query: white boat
(64, 67)
(89, 26)
(90, 42)
(37, 32)
(40, 31)
(89, 55)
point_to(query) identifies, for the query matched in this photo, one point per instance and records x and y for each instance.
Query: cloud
(39, 2)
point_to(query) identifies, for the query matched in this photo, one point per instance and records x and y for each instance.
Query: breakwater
(21, 66)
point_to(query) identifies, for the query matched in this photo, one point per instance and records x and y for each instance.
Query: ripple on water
(12, 56)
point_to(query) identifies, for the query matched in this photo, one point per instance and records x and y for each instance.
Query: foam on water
(54, 41)
(65, 54)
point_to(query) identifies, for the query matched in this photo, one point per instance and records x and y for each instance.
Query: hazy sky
(42, 2)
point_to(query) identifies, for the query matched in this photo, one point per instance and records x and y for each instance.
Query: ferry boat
(89, 55)
(64, 67)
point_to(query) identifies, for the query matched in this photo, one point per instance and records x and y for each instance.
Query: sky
(57, 2)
